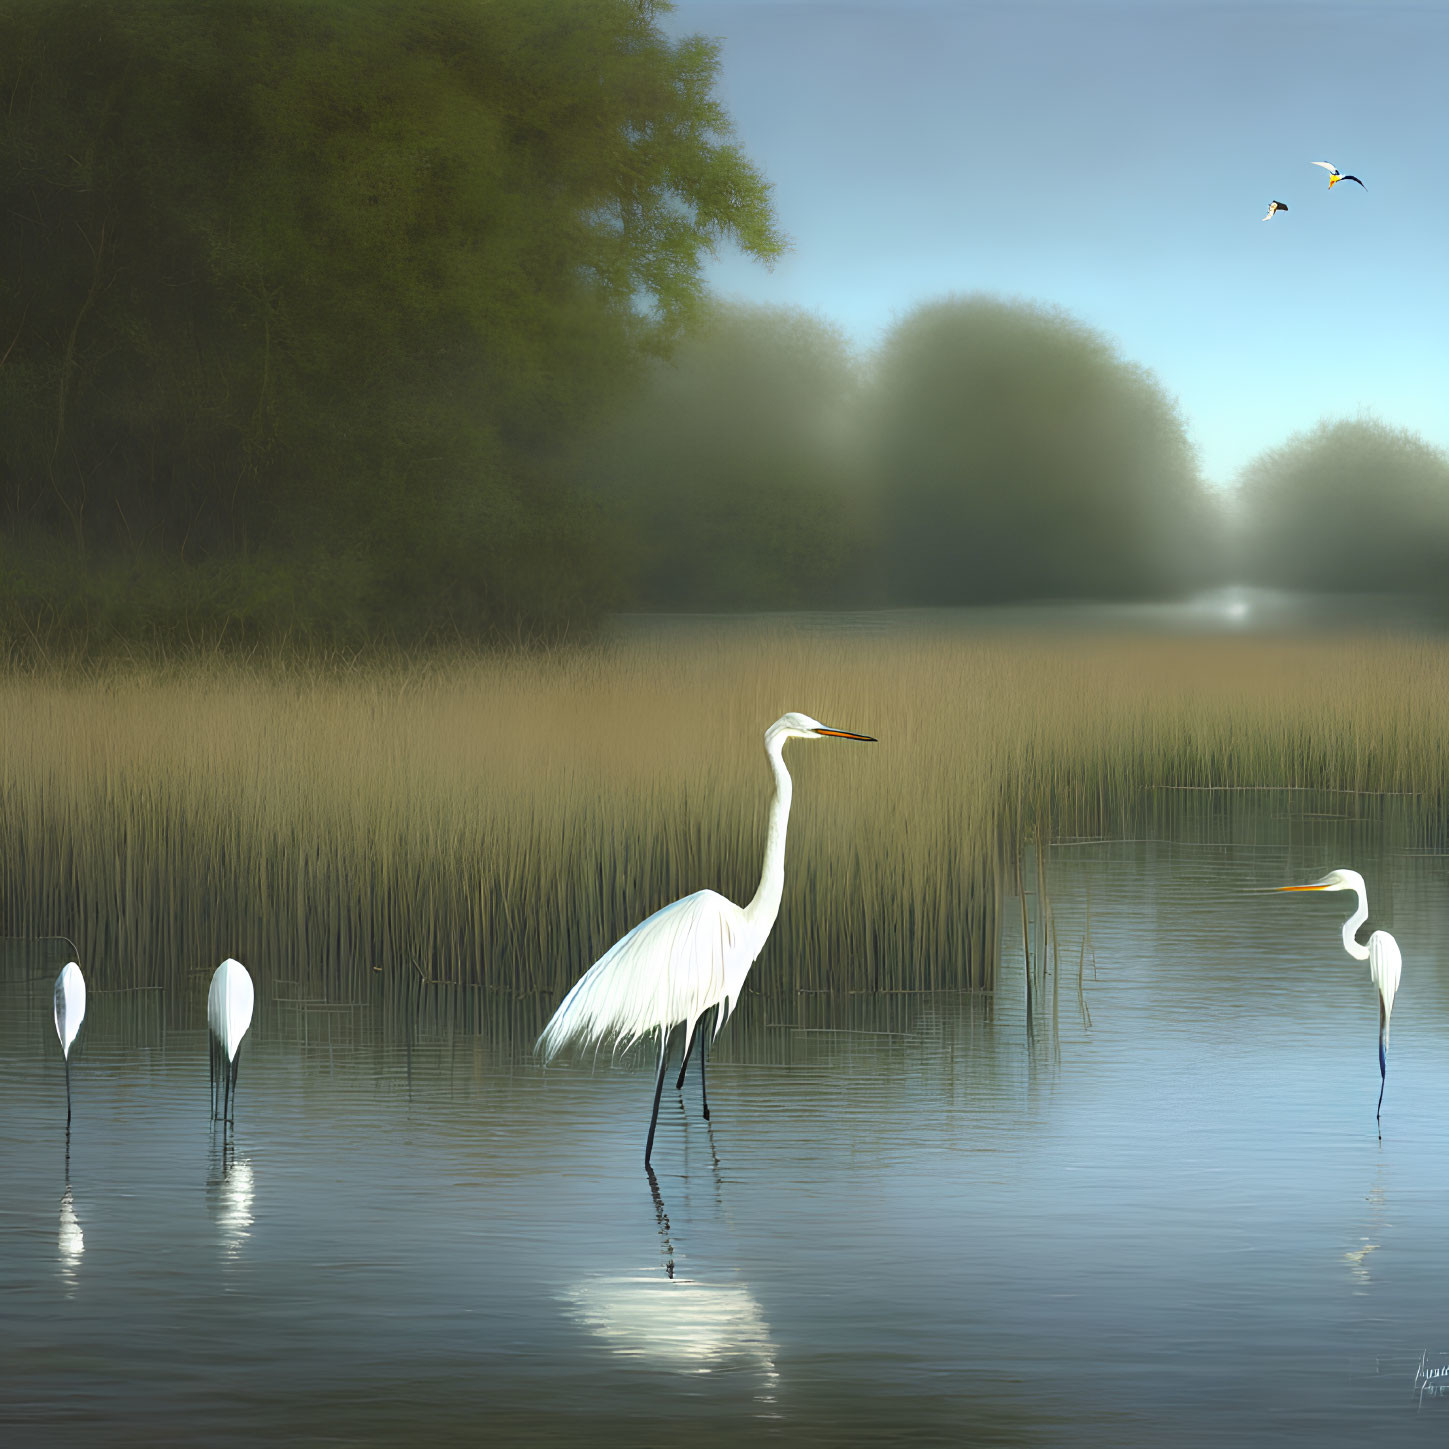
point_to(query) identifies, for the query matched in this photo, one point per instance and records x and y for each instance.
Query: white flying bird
(1334, 174)
(1274, 206)
(690, 957)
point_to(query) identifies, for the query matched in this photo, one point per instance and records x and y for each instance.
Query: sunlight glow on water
(1165, 1217)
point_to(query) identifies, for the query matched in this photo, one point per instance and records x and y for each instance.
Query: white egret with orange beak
(690, 957)
(1378, 948)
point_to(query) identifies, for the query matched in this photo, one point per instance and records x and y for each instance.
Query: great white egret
(1274, 206)
(1334, 174)
(689, 957)
(228, 1015)
(1379, 949)
(70, 1011)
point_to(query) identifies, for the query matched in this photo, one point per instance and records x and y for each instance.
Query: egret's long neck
(765, 906)
(1350, 930)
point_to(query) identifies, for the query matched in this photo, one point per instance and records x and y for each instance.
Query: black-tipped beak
(847, 735)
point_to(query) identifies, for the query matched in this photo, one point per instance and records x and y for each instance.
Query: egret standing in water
(70, 1011)
(228, 1015)
(1379, 949)
(690, 957)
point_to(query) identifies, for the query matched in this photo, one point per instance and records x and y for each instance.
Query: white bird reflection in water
(71, 1243)
(680, 1324)
(1357, 1259)
(230, 1189)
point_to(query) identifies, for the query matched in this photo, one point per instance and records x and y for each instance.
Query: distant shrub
(1352, 505)
(1014, 454)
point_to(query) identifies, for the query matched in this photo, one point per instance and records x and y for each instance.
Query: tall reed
(499, 821)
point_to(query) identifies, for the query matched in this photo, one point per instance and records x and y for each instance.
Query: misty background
(356, 320)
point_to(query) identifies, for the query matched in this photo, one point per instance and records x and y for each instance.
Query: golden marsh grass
(500, 821)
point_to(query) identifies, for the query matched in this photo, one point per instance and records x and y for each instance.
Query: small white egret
(1378, 948)
(1334, 174)
(1275, 206)
(689, 957)
(70, 1011)
(228, 1015)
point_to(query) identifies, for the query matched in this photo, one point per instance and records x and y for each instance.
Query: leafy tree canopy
(328, 279)
(1016, 455)
(731, 476)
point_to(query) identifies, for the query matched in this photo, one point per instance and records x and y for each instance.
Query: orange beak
(846, 735)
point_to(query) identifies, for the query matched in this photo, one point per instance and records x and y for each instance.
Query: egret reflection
(230, 1190)
(71, 1243)
(679, 1323)
(1357, 1260)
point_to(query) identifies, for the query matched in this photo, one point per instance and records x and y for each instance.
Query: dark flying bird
(1275, 206)
(1334, 174)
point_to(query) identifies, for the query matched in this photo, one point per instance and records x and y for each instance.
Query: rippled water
(1165, 1215)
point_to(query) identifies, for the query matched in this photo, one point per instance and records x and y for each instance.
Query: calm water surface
(1164, 1214)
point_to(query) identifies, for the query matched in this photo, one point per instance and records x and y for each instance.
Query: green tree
(1355, 506)
(1015, 455)
(731, 476)
(323, 283)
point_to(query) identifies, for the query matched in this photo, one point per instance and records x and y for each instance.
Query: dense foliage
(1353, 505)
(1016, 455)
(297, 298)
(733, 477)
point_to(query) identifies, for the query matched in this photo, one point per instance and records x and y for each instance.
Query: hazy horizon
(1115, 160)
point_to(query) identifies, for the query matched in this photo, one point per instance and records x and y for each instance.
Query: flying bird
(228, 1015)
(1275, 206)
(1334, 174)
(70, 1011)
(1379, 949)
(690, 957)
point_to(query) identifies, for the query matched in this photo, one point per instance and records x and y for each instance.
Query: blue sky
(1115, 159)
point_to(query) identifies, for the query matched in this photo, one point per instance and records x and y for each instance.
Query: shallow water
(1163, 1214)
(1235, 610)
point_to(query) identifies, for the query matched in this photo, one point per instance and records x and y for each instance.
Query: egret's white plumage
(70, 1004)
(70, 1011)
(691, 957)
(228, 1016)
(1381, 951)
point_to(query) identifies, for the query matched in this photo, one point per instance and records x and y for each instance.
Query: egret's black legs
(658, 1092)
(231, 1095)
(67, 1095)
(703, 1049)
(688, 1047)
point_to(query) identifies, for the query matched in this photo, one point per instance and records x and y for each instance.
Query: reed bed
(498, 821)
